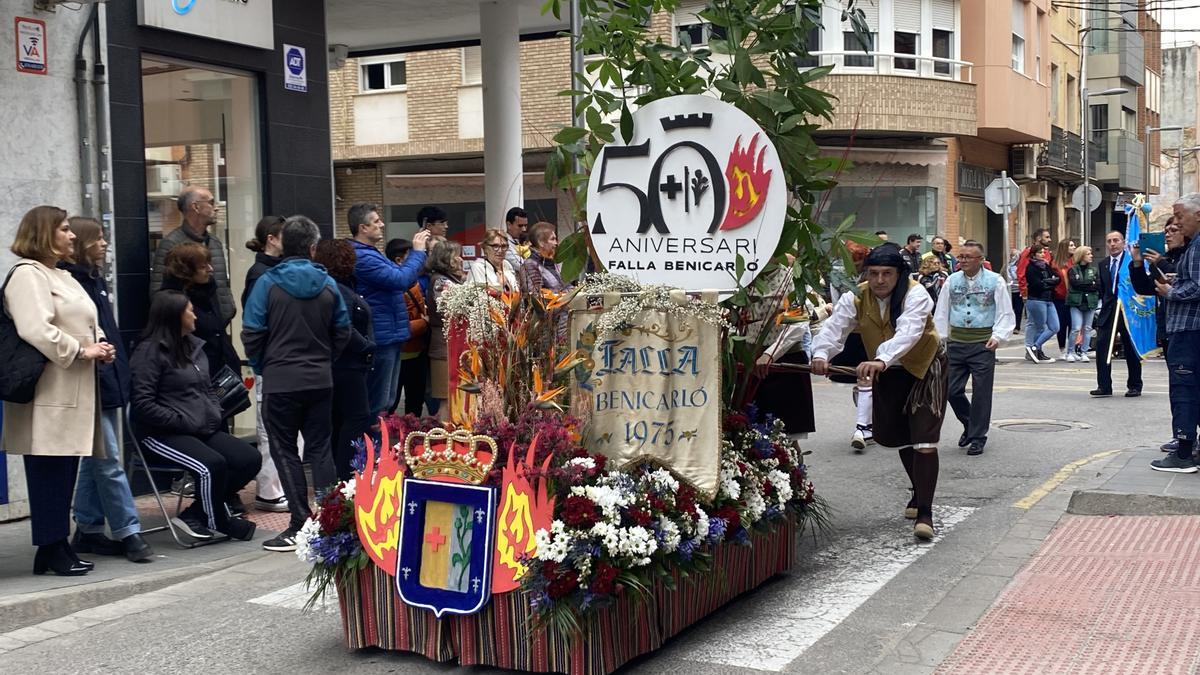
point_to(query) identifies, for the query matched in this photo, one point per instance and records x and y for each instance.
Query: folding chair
(138, 460)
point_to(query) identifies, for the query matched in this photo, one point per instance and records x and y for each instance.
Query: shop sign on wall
(699, 185)
(31, 46)
(295, 68)
(243, 22)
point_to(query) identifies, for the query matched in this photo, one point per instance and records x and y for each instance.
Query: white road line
(791, 616)
(295, 597)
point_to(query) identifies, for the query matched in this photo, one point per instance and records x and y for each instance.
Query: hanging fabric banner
(1138, 310)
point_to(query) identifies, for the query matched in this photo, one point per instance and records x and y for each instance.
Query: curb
(1108, 503)
(33, 608)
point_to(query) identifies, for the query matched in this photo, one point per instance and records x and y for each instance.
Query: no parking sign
(295, 68)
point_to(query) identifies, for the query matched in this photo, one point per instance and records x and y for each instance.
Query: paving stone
(31, 634)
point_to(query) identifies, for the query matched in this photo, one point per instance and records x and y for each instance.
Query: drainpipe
(103, 133)
(83, 113)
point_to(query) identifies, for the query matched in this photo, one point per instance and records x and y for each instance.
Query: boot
(136, 549)
(57, 558)
(925, 473)
(84, 542)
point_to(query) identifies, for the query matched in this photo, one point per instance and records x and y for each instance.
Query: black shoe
(1173, 464)
(85, 542)
(1133, 393)
(284, 541)
(240, 528)
(963, 441)
(235, 506)
(1031, 354)
(192, 527)
(1100, 393)
(136, 549)
(89, 565)
(1042, 358)
(57, 558)
(976, 448)
(1170, 446)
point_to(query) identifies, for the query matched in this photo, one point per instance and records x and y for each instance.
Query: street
(867, 597)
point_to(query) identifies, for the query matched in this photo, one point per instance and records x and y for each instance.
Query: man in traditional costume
(906, 363)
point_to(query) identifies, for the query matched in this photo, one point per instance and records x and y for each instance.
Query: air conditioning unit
(1036, 192)
(164, 179)
(1024, 163)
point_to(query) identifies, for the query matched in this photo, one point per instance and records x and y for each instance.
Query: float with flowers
(604, 479)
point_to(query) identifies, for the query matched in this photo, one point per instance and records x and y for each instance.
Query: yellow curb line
(1058, 478)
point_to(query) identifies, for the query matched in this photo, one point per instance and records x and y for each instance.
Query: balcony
(1120, 161)
(1062, 157)
(882, 94)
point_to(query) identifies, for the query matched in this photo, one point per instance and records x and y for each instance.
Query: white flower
(783, 485)
(309, 532)
(662, 480)
(553, 545)
(609, 499)
(730, 487)
(586, 462)
(670, 534)
(755, 505)
(348, 490)
(701, 532)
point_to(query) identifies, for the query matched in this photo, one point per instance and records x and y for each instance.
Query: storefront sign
(699, 186)
(31, 46)
(652, 392)
(295, 68)
(243, 22)
(973, 180)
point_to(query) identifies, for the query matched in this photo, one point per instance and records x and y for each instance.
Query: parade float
(604, 479)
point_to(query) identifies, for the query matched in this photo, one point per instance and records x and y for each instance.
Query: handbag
(21, 364)
(231, 392)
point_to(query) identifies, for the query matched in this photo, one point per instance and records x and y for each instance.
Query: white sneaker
(1083, 357)
(862, 437)
(1072, 357)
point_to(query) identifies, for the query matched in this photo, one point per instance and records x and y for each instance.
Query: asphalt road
(853, 598)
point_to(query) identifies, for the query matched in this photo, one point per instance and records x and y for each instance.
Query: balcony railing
(883, 63)
(1064, 152)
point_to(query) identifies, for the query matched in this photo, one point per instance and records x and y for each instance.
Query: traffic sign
(1002, 196)
(1094, 197)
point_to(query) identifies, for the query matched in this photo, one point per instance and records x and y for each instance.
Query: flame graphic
(377, 497)
(748, 183)
(524, 509)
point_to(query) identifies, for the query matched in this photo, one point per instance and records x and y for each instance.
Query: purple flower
(359, 462)
(686, 548)
(716, 529)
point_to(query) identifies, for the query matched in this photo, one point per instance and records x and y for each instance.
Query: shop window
(907, 43)
(467, 219)
(383, 75)
(902, 210)
(850, 43)
(943, 48)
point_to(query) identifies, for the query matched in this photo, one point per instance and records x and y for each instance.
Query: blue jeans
(1043, 322)
(103, 489)
(384, 379)
(1081, 320)
(1183, 359)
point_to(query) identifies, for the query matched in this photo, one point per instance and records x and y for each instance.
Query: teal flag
(1138, 310)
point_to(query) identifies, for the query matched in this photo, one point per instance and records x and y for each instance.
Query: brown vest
(875, 331)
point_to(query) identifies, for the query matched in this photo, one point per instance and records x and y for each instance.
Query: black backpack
(21, 364)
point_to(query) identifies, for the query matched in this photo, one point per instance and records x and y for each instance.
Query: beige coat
(53, 313)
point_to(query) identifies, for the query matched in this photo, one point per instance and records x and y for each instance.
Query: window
(907, 43)
(812, 43)
(1037, 47)
(850, 43)
(1055, 92)
(1099, 130)
(943, 48)
(382, 75)
(1072, 103)
(1129, 122)
(1153, 91)
(698, 34)
(1018, 36)
(472, 66)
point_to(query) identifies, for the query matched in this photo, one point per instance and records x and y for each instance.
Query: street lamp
(1146, 152)
(1084, 113)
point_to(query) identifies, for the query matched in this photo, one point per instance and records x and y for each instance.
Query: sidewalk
(1110, 586)
(26, 599)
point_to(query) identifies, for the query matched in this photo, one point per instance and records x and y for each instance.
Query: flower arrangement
(329, 541)
(637, 298)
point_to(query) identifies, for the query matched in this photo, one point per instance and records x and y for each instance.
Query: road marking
(1058, 478)
(785, 619)
(295, 597)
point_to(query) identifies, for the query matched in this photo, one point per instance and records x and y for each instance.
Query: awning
(367, 26)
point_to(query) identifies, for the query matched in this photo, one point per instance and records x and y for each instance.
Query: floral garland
(473, 304)
(636, 298)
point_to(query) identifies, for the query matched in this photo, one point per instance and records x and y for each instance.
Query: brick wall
(897, 103)
(1152, 38)
(352, 185)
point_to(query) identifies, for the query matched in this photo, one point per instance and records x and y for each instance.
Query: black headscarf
(888, 255)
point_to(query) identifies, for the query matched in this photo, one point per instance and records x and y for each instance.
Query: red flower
(639, 517)
(735, 421)
(330, 518)
(730, 515)
(601, 462)
(549, 568)
(580, 512)
(604, 581)
(768, 488)
(656, 503)
(563, 584)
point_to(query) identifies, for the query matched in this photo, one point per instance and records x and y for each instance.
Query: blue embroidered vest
(972, 306)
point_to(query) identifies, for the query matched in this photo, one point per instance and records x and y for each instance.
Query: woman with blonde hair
(1083, 296)
(61, 424)
(493, 270)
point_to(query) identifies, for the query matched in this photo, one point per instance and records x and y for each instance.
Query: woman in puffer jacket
(175, 414)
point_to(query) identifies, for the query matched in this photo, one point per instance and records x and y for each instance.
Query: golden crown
(452, 456)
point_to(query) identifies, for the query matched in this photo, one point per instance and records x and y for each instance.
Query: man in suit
(1110, 318)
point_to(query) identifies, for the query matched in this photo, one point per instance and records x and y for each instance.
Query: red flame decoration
(377, 496)
(525, 508)
(748, 183)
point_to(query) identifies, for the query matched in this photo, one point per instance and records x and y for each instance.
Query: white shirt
(910, 326)
(1006, 319)
(482, 272)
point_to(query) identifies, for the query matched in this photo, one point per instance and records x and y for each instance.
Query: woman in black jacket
(102, 493)
(1040, 280)
(267, 245)
(189, 269)
(351, 403)
(175, 414)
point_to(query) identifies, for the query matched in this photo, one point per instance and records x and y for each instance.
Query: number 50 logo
(699, 185)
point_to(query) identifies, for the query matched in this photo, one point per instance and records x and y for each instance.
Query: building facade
(1181, 86)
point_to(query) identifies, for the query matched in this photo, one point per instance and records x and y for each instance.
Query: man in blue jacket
(382, 284)
(295, 326)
